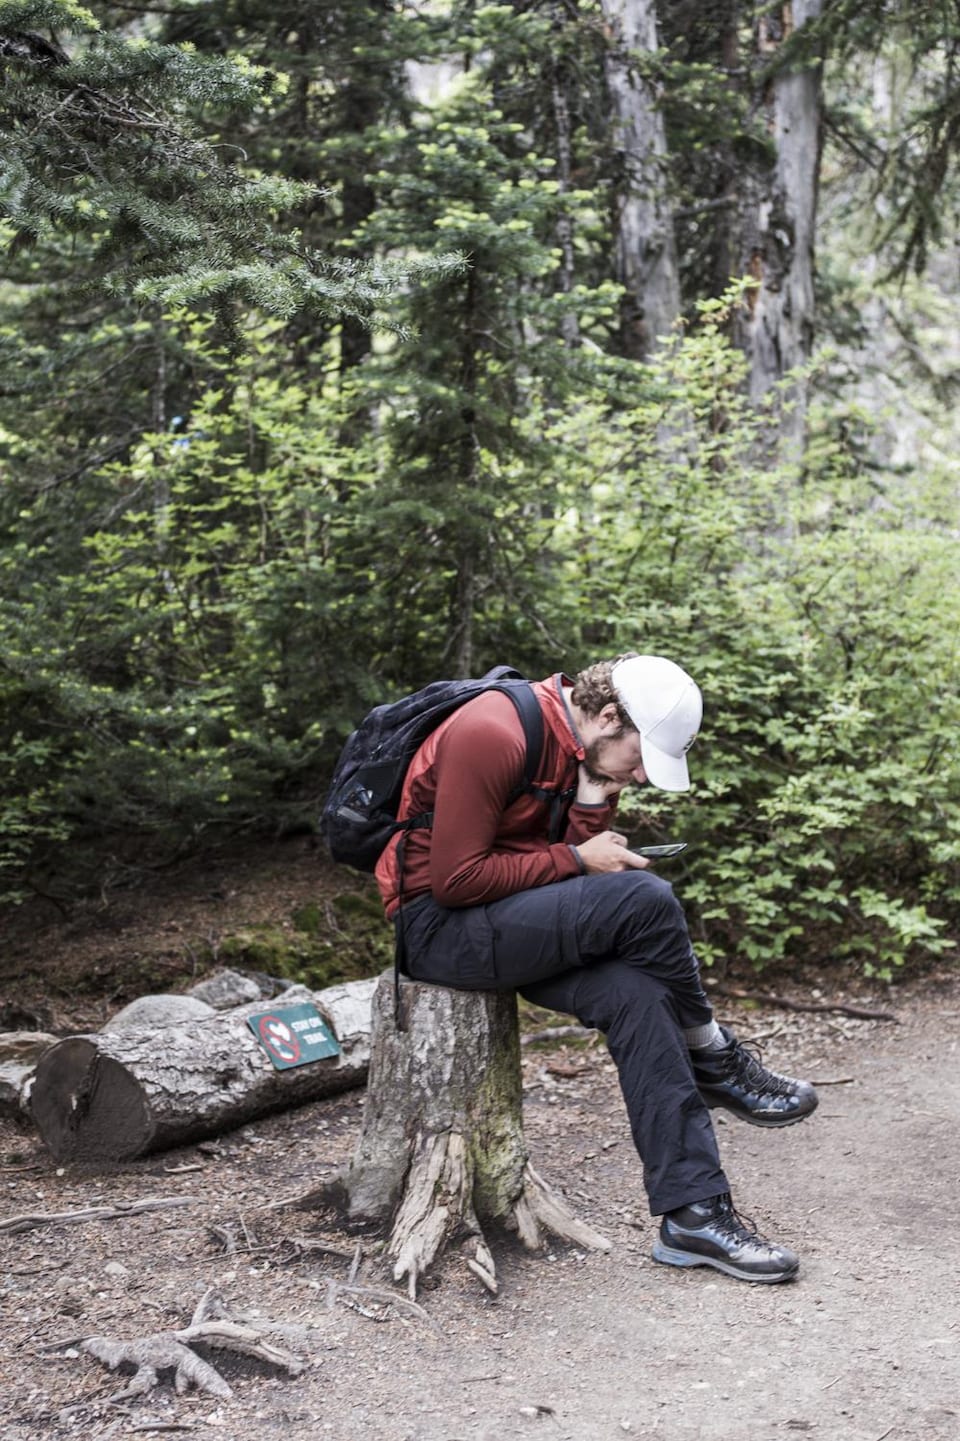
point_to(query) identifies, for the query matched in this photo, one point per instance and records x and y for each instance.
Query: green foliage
(232, 518)
(819, 622)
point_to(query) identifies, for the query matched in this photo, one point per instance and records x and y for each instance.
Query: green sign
(293, 1035)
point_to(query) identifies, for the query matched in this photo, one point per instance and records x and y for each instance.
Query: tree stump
(442, 1148)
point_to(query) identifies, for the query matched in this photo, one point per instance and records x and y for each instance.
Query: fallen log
(119, 1094)
(19, 1053)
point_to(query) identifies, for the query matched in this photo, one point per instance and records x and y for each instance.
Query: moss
(358, 906)
(342, 940)
(307, 919)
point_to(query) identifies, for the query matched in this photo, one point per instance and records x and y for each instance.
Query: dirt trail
(864, 1346)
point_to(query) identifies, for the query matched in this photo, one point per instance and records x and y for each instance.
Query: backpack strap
(531, 718)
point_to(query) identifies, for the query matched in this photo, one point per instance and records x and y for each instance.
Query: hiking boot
(710, 1233)
(734, 1078)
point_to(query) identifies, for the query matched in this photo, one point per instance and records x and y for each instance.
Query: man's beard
(593, 757)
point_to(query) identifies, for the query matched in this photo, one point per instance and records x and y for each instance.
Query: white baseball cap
(666, 707)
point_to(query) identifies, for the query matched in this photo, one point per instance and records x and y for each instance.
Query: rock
(159, 1011)
(225, 989)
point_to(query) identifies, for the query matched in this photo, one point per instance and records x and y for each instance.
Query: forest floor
(863, 1346)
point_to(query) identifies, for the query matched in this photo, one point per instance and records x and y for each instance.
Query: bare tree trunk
(465, 586)
(442, 1149)
(778, 217)
(646, 252)
(569, 323)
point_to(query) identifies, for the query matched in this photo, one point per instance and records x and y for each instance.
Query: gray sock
(705, 1038)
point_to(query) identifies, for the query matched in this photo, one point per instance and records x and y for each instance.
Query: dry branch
(558, 1033)
(173, 1351)
(767, 998)
(13, 1225)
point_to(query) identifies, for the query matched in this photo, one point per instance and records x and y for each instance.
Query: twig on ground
(381, 1315)
(756, 1036)
(225, 1236)
(336, 1290)
(304, 1245)
(557, 1033)
(355, 1265)
(13, 1225)
(862, 1013)
(143, 1426)
(566, 1070)
(39, 1270)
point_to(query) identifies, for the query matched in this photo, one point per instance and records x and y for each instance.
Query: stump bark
(442, 1149)
(118, 1094)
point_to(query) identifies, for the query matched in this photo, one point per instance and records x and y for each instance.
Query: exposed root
(436, 1202)
(541, 1209)
(171, 1351)
(477, 1255)
(149, 1356)
(767, 998)
(13, 1225)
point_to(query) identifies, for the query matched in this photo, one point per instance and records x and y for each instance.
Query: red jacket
(477, 850)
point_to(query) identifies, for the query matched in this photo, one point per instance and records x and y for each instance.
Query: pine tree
(117, 205)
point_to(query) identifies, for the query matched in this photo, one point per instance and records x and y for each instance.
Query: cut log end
(87, 1106)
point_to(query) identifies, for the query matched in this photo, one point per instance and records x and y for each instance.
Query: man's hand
(592, 791)
(608, 852)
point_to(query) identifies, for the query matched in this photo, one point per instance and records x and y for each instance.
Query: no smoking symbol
(279, 1040)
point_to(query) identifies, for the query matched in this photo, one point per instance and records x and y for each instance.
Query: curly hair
(593, 689)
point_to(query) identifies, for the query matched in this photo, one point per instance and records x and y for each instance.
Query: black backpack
(360, 813)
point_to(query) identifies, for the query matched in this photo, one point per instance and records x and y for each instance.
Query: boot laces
(733, 1224)
(739, 1228)
(744, 1065)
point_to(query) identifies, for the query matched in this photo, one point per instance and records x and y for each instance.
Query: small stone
(157, 1011)
(226, 989)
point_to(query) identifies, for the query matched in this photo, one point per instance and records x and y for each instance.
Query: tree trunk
(777, 219)
(646, 251)
(119, 1094)
(442, 1149)
(569, 323)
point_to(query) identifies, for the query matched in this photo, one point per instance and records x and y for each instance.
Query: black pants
(612, 950)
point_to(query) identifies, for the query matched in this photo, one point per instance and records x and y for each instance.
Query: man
(578, 923)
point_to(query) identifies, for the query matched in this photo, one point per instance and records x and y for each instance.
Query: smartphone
(658, 853)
